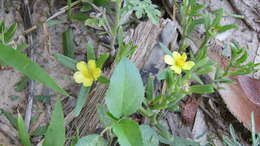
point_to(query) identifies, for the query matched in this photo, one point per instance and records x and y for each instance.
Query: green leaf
(195, 23)
(163, 133)
(8, 35)
(40, 131)
(128, 133)
(66, 61)
(55, 135)
(92, 140)
(81, 99)
(204, 70)
(103, 80)
(101, 2)
(102, 59)
(12, 119)
(105, 120)
(27, 67)
(54, 22)
(42, 98)
(196, 78)
(22, 84)
(149, 136)
(201, 89)
(165, 49)
(225, 28)
(162, 75)
(2, 26)
(90, 52)
(79, 16)
(120, 98)
(179, 141)
(149, 88)
(68, 43)
(95, 22)
(22, 132)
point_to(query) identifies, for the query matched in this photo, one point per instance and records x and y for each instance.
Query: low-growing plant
(126, 95)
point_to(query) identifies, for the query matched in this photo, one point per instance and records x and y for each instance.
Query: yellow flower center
(180, 62)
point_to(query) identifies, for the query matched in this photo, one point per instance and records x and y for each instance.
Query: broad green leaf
(90, 52)
(33, 70)
(201, 89)
(22, 132)
(126, 91)
(10, 33)
(149, 88)
(102, 59)
(66, 61)
(11, 118)
(92, 140)
(149, 136)
(68, 43)
(103, 117)
(101, 2)
(128, 133)
(81, 99)
(55, 135)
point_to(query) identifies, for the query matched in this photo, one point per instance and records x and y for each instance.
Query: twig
(28, 23)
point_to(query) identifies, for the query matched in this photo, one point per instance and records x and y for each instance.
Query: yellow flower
(178, 62)
(87, 73)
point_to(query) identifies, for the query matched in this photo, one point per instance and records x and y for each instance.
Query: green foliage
(128, 133)
(22, 84)
(91, 140)
(68, 43)
(149, 136)
(102, 59)
(120, 98)
(22, 132)
(66, 61)
(90, 52)
(81, 100)
(142, 7)
(55, 135)
(40, 131)
(104, 118)
(10, 117)
(6, 34)
(27, 67)
(202, 89)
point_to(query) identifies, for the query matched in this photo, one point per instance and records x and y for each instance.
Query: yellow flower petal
(176, 55)
(87, 82)
(97, 73)
(91, 65)
(184, 56)
(82, 66)
(188, 65)
(78, 77)
(176, 69)
(168, 59)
